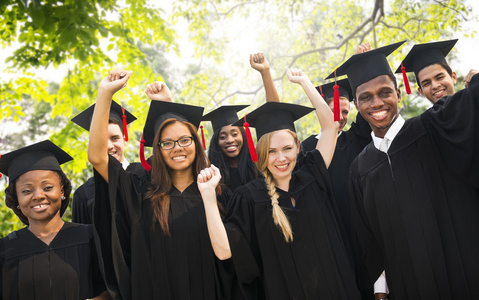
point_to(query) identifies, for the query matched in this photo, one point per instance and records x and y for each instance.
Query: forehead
(114, 129)
(228, 128)
(281, 138)
(36, 176)
(375, 84)
(430, 71)
(343, 102)
(174, 131)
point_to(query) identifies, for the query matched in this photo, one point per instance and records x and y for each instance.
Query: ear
(454, 77)
(299, 145)
(356, 104)
(420, 91)
(398, 93)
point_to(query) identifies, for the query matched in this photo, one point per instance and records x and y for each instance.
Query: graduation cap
(344, 89)
(40, 156)
(159, 112)
(117, 113)
(423, 55)
(363, 67)
(223, 116)
(269, 117)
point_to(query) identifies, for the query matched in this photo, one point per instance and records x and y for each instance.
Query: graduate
(434, 76)
(414, 188)
(84, 196)
(283, 232)
(50, 258)
(158, 237)
(226, 149)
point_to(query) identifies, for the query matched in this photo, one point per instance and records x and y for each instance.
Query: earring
(18, 206)
(63, 198)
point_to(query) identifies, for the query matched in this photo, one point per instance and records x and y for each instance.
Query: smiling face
(377, 101)
(230, 141)
(344, 111)
(179, 158)
(435, 82)
(116, 142)
(39, 194)
(282, 154)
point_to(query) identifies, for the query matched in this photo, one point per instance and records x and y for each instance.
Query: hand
(208, 179)
(115, 81)
(158, 91)
(259, 62)
(364, 47)
(469, 75)
(296, 76)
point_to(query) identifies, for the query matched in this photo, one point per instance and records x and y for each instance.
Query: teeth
(179, 157)
(436, 93)
(379, 114)
(231, 148)
(282, 166)
(40, 206)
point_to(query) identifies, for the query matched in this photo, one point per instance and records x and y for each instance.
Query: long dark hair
(246, 167)
(11, 199)
(161, 183)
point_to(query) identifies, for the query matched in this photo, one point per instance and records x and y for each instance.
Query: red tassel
(143, 161)
(406, 81)
(203, 137)
(249, 139)
(321, 91)
(336, 99)
(124, 124)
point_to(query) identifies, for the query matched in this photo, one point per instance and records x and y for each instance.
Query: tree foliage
(196, 47)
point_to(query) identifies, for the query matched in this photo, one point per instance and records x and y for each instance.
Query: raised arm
(208, 179)
(259, 62)
(98, 143)
(329, 128)
(158, 91)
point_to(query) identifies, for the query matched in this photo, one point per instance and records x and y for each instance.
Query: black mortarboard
(363, 67)
(269, 117)
(273, 116)
(223, 115)
(83, 119)
(327, 90)
(40, 156)
(422, 55)
(160, 111)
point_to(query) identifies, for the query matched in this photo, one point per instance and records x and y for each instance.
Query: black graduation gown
(147, 264)
(315, 265)
(416, 210)
(349, 144)
(84, 197)
(67, 269)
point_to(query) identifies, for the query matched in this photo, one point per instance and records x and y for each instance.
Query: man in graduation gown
(434, 76)
(415, 188)
(84, 196)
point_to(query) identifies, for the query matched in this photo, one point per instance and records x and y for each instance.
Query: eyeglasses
(170, 144)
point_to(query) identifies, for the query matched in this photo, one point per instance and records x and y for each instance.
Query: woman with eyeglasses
(157, 236)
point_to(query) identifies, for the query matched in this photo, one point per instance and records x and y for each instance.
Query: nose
(377, 101)
(109, 144)
(229, 139)
(434, 84)
(38, 194)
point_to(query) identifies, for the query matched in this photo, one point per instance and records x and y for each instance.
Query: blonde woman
(283, 232)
